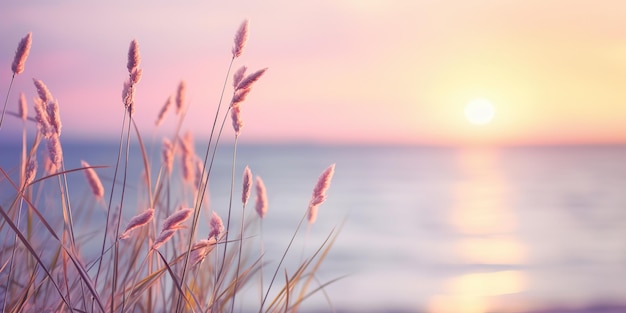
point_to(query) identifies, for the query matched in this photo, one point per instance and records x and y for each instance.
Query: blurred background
(479, 144)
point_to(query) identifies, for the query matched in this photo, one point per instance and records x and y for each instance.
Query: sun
(479, 111)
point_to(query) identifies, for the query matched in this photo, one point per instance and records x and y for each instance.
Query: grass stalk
(6, 99)
(232, 187)
(206, 173)
(106, 225)
(119, 217)
(281, 261)
(44, 264)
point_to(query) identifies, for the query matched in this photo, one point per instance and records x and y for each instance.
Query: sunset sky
(350, 71)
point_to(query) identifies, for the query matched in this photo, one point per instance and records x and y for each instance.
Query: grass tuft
(45, 260)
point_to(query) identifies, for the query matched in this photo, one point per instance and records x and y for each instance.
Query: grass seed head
(241, 37)
(22, 107)
(180, 97)
(23, 49)
(217, 226)
(93, 180)
(177, 218)
(133, 56)
(31, 171)
(238, 76)
(137, 221)
(247, 183)
(261, 198)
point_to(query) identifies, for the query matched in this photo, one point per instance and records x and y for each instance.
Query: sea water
(420, 229)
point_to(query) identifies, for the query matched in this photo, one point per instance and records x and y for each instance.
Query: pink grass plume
(217, 226)
(55, 152)
(137, 221)
(171, 225)
(188, 156)
(163, 237)
(128, 96)
(319, 192)
(247, 183)
(239, 96)
(235, 114)
(241, 37)
(23, 49)
(175, 220)
(41, 117)
(198, 173)
(164, 110)
(48, 166)
(31, 171)
(168, 155)
(54, 117)
(133, 56)
(238, 76)
(323, 183)
(42, 91)
(251, 79)
(135, 75)
(187, 144)
(261, 198)
(180, 97)
(22, 108)
(93, 180)
(200, 250)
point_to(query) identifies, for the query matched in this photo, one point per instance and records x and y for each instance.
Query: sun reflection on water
(482, 217)
(478, 292)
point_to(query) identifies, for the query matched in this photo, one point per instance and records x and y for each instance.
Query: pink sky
(358, 71)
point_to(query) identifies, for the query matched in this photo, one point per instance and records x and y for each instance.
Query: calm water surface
(429, 229)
